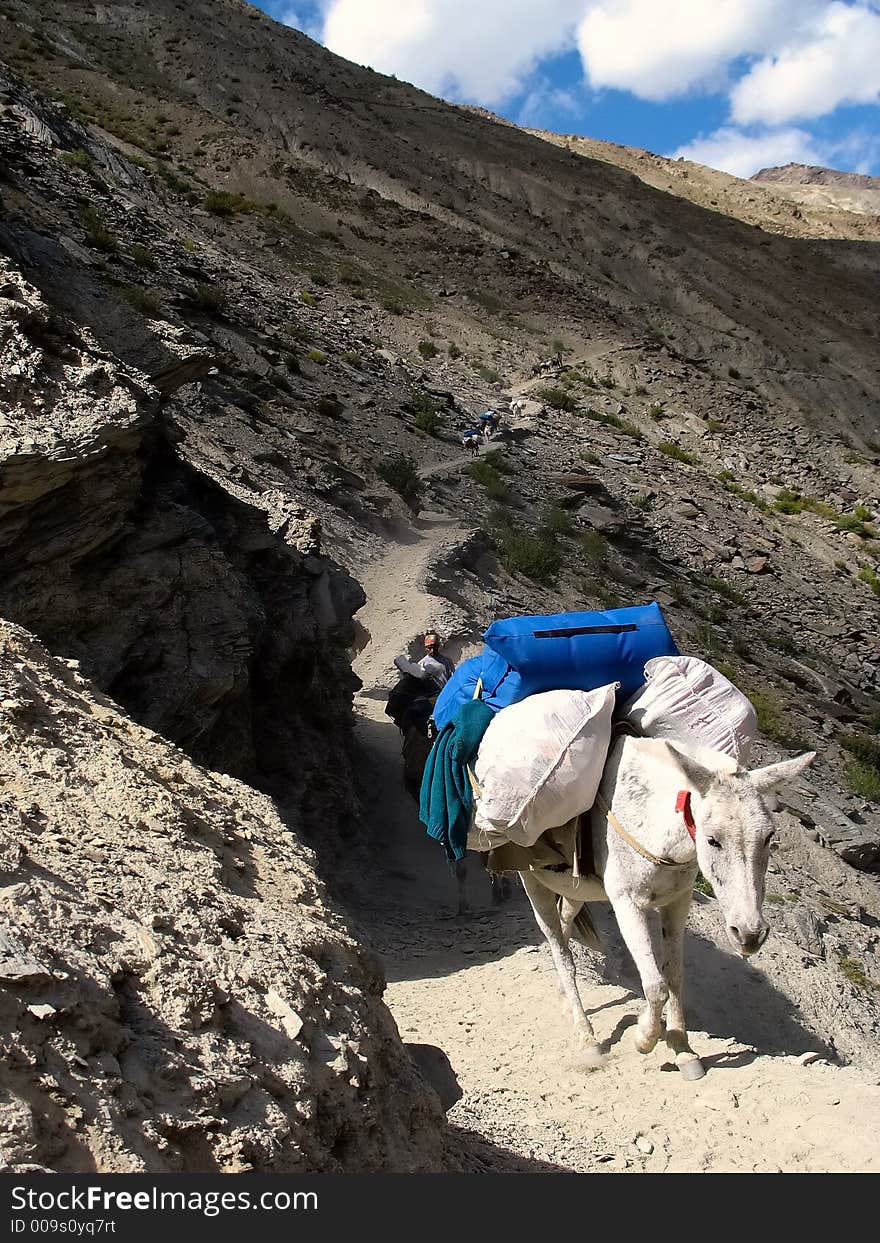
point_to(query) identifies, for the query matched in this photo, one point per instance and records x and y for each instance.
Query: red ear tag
(683, 805)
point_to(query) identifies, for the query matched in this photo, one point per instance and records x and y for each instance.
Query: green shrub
(500, 461)
(453, 351)
(489, 374)
(209, 298)
(291, 362)
(190, 246)
(489, 478)
(701, 885)
(429, 421)
(558, 398)
(400, 473)
(865, 747)
(392, 305)
(608, 381)
(298, 332)
(520, 552)
(656, 411)
(329, 406)
(715, 425)
(306, 298)
(556, 521)
(147, 301)
(222, 203)
(853, 972)
(317, 356)
(353, 360)
(97, 234)
(428, 349)
(77, 158)
(142, 256)
(643, 501)
(319, 279)
(671, 449)
(613, 420)
(869, 576)
(595, 547)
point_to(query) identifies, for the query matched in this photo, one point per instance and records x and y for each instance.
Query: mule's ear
(767, 779)
(699, 777)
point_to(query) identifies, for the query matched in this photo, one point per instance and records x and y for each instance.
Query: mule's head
(733, 830)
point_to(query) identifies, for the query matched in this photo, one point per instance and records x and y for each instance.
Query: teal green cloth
(445, 798)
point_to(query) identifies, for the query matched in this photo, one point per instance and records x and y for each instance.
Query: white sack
(539, 764)
(686, 700)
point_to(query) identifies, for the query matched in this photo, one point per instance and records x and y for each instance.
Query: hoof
(692, 1069)
(646, 1044)
(593, 1057)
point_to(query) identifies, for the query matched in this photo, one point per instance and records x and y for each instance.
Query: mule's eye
(714, 842)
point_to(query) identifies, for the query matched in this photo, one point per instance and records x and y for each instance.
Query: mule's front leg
(547, 916)
(672, 921)
(635, 928)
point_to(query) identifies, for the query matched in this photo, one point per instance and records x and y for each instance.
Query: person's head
(432, 643)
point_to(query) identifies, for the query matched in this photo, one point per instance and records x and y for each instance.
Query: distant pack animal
(661, 814)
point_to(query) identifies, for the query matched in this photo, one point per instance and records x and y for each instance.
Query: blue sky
(736, 84)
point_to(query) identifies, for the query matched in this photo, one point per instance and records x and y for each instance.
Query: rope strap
(631, 841)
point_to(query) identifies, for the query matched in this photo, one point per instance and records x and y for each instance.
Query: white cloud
(840, 64)
(479, 50)
(657, 50)
(543, 98)
(732, 151)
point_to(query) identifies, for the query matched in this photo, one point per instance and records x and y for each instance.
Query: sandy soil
(477, 1001)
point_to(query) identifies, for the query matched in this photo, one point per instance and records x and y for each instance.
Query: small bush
(298, 332)
(329, 406)
(701, 885)
(142, 256)
(869, 576)
(400, 473)
(77, 158)
(392, 305)
(489, 374)
(499, 460)
(715, 425)
(97, 234)
(853, 972)
(595, 547)
(428, 349)
(643, 501)
(222, 203)
(353, 360)
(453, 351)
(209, 298)
(317, 356)
(558, 398)
(190, 246)
(490, 478)
(291, 362)
(147, 301)
(608, 381)
(429, 421)
(556, 521)
(671, 449)
(865, 747)
(306, 298)
(612, 420)
(319, 279)
(535, 556)
(656, 411)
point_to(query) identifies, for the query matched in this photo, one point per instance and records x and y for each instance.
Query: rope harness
(682, 805)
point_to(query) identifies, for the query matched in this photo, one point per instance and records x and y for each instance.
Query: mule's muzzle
(748, 940)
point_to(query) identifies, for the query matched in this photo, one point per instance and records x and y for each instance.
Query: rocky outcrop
(215, 622)
(177, 992)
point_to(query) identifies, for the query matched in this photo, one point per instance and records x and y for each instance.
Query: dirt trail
(483, 990)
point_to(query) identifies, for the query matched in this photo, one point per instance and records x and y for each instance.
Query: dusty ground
(482, 990)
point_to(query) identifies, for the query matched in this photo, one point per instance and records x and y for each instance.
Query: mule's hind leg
(568, 913)
(636, 932)
(547, 916)
(672, 920)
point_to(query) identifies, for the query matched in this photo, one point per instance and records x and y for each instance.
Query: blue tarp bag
(501, 686)
(581, 651)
